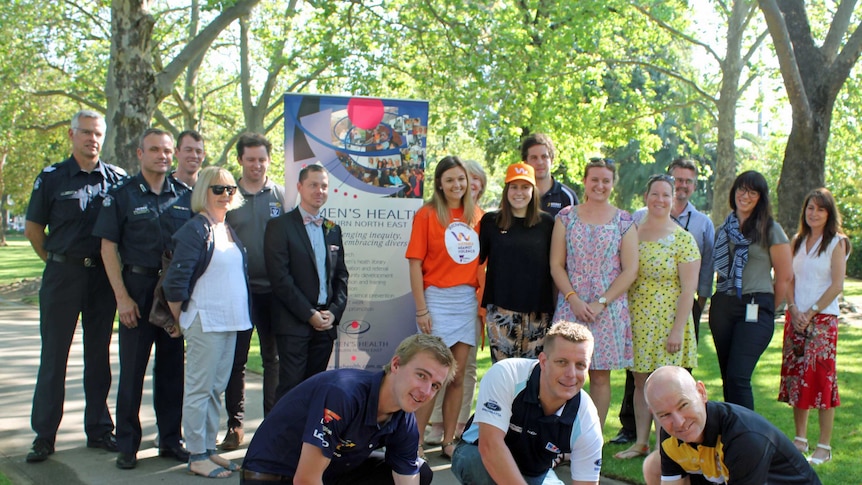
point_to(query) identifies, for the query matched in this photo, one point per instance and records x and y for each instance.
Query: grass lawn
(18, 260)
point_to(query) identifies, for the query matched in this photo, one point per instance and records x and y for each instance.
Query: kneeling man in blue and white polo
(529, 412)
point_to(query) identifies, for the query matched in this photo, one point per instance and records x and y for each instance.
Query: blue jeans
(468, 468)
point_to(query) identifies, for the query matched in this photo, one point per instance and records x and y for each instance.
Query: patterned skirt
(809, 379)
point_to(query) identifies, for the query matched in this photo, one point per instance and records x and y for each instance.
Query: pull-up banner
(374, 152)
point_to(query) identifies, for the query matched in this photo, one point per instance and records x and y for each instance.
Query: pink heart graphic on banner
(365, 113)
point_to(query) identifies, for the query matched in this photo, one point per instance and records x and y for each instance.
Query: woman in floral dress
(594, 260)
(808, 375)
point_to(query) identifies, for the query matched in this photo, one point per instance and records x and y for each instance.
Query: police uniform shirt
(142, 222)
(335, 411)
(739, 446)
(67, 200)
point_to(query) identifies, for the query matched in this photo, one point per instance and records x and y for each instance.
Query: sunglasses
(219, 189)
(661, 177)
(601, 162)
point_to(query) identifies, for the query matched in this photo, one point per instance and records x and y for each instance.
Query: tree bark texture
(813, 76)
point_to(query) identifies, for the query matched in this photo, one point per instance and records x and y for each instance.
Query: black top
(518, 276)
(67, 200)
(142, 222)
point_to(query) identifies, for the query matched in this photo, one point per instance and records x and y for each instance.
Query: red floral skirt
(809, 379)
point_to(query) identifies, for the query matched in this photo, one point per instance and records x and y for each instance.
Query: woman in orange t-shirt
(443, 255)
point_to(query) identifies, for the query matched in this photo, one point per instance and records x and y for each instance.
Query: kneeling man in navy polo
(325, 429)
(529, 412)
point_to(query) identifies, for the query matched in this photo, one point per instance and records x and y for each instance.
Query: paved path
(73, 463)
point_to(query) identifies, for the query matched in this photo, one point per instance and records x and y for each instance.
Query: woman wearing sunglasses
(594, 260)
(748, 247)
(210, 299)
(660, 300)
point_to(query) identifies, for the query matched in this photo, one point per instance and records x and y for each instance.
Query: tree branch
(679, 77)
(72, 96)
(677, 33)
(168, 76)
(846, 59)
(786, 59)
(837, 29)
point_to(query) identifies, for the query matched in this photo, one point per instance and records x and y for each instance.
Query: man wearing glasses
(136, 224)
(537, 150)
(683, 212)
(66, 199)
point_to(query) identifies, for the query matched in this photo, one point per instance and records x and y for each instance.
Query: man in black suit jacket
(304, 256)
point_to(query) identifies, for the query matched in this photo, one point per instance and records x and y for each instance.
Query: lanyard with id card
(751, 310)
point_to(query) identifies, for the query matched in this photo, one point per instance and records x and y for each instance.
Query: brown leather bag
(160, 313)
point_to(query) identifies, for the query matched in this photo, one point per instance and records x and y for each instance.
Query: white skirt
(453, 313)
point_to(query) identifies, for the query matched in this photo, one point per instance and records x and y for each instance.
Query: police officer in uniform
(66, 199)
(136, 223)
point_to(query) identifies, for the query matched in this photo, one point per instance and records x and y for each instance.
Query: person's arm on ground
(497, 457)
(126, 306)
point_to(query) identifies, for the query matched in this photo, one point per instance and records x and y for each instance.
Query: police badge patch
(37, 183)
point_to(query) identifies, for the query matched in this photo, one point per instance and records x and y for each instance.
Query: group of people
(638, 282)
(220, 255)
(563, 288)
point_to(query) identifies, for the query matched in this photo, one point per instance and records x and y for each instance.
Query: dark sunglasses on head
(219, 189)
(661, 177)
(601, 162)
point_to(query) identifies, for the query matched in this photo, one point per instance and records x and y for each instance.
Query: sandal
(217, 472)
(634, 451)
(444, 454)
(222, 461)
(820, 461)
(801, 444)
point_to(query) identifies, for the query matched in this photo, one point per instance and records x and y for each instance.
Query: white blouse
(812, 275)
(220, 295)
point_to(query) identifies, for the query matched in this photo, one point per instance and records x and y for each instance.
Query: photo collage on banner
(374, 152)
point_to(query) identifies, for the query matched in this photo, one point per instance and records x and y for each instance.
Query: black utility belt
(85, 262)
(142, 270)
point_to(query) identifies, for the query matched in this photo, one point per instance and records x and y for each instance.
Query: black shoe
(40, 451)
(127, 461)
(623, 437)
(107, 442)
(176, 451)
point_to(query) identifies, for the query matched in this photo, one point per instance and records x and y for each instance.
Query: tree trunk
(813, 77)
(804, 166)
(131, 82)
(134, 88)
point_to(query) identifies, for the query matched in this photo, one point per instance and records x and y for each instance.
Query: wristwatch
(603, 301)
(815, 308)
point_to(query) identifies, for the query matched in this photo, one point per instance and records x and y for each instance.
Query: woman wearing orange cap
(516, 243)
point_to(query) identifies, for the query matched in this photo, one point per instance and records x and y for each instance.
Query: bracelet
(566, 298)
(421, 309)
(422, 314)
(791, 305)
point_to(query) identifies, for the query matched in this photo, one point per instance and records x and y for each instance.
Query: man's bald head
(677, 402)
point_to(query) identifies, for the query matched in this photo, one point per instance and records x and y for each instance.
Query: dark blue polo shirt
(67, 200)
(557, 198)
(142, 222)
(335, 411)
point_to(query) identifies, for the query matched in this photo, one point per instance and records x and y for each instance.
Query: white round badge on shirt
(462, 243)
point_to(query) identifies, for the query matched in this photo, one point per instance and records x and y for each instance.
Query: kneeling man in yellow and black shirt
(707, 442)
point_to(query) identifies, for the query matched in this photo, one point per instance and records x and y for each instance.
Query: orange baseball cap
(521, 171)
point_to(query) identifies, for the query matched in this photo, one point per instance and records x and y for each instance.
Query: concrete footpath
(73, 463)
